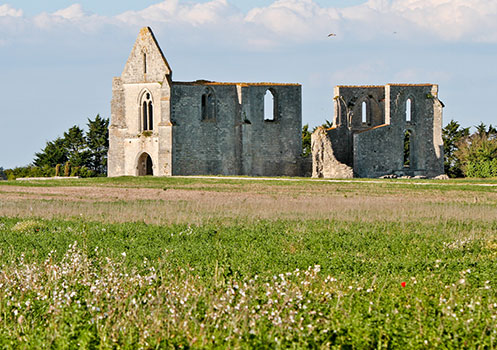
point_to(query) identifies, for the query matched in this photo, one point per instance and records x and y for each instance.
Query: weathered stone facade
(162, 127)
(371, 128)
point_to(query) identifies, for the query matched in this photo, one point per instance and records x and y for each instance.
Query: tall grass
(186, 264)
(269, 283)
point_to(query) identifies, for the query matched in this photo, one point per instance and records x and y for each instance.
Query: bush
(481, 169)
(85, 172)
(29, 171)
(75, 171)
(478, 155)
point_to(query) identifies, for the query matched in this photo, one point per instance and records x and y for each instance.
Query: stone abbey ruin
(381, 130)
(163, 127)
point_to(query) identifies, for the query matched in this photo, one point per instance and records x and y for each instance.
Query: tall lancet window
(147, 112)
(409, 110)
(145, 63)
(208, 109)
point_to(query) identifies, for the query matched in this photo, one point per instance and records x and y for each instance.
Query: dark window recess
(208, 106)
(147, 112)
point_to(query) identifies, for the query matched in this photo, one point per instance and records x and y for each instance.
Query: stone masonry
(381, 130)
(161, 127)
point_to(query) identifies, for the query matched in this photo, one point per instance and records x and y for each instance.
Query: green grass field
(238, 263)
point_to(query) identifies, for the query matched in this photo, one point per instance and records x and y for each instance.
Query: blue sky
(58, 57)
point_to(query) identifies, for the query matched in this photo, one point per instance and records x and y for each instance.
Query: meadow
(241, 263)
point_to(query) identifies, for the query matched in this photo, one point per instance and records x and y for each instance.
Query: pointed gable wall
(146, 63)
(133, 133)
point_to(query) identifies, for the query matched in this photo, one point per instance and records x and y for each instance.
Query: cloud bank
(289, 21)
(7, 10)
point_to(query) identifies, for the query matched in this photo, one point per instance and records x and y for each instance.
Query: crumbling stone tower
(381, 130)
(161, 127)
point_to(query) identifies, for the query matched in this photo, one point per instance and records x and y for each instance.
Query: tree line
(465, 154)
(77, 153)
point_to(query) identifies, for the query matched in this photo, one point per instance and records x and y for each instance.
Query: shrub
(478, 155)
(75, 171)
(85, 172)
(29, 171)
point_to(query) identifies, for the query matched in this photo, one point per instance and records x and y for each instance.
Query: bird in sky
(331, 34)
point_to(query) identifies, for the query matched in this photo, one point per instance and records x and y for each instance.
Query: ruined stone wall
(117, 131)
(376, 147)
(324, 161)
(202, 147)
(377, 151)
(238, 140)
(271, 148)
(425, 126)
(348, 102)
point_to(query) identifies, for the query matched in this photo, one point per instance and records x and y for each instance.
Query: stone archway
(145, 165)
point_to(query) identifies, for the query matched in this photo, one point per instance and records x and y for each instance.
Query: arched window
(364, 112)
(409, 110)
(270, 106)
(208, 109)
(147, 112)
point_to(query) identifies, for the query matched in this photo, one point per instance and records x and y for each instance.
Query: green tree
(306, 141)
(478, 152)
(452, 135)
(2, 174)
(86, 152)
(75, 143)
(55, 152)
(97, 140)
(490, 133)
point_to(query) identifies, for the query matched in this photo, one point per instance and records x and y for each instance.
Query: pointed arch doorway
(145, 165)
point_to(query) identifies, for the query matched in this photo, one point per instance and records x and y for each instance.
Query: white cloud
(294, 21)
(71, 13)
(73, 17)
(448, 20)
(6, 10)
(170, 11)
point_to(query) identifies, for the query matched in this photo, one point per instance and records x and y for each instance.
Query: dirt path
(339, 181)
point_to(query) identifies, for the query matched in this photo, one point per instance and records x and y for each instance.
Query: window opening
(364, 112)
(145, 63)
(145, 116)
(147, 112)
(408, 110)
(270, 107)
(208, 106)
(407, 148)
